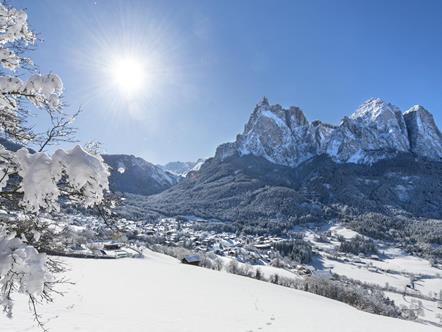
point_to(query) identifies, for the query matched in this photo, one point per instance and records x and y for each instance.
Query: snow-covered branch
(34, 181)
(41, 174)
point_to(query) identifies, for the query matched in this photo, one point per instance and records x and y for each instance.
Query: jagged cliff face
(282, 136)
(377, 130)
(425, 137)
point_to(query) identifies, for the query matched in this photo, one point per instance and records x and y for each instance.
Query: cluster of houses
(102, 250)
(257, 250)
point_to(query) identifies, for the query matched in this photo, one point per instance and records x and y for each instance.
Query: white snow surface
(429, 308)
(407, 263)
(361, 273)
(160, 294)
(347, 233)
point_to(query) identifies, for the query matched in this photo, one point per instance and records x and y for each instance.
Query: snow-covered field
(159, 294)
(429, 311)
(361, 273)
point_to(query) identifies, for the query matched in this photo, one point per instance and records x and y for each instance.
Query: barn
(191, 260)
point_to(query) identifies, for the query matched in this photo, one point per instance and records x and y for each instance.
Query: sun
(128, 75)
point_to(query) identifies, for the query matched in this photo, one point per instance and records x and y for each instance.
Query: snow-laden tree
(31, 180)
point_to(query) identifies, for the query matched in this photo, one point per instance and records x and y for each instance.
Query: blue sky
(211, 61)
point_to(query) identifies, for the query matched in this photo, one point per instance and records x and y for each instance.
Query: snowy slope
(161, 295)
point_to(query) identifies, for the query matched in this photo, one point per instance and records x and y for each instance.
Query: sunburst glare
(128, 75)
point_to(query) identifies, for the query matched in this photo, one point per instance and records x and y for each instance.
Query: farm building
(191, 260)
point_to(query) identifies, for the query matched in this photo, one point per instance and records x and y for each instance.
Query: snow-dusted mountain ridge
(182, 168)
(376, 130)
(135, 175)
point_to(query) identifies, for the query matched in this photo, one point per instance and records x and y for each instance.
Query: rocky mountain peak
(273, 132)
(425, 137)
(373, 109)
(296, 117)
(384, 117)
(376, 130)
(263, 102)
(266, 115)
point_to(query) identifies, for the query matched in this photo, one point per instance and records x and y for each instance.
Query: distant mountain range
(137, 176)
(377, 130)
(283, 166)
(182, 168)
